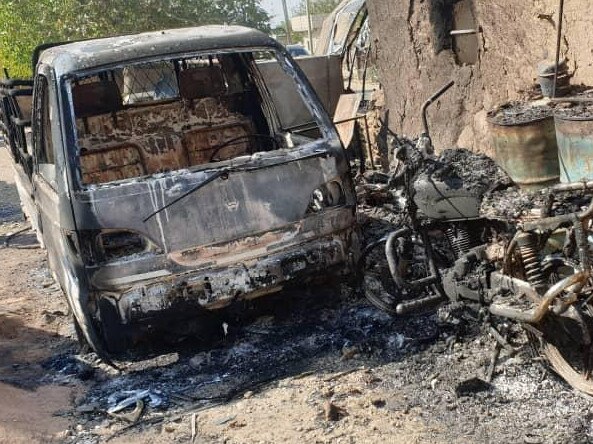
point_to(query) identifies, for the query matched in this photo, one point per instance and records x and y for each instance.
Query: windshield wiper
(211, 178)
(225, 172)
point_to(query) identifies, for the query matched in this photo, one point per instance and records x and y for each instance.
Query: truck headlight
(327, 195)
(121, 243)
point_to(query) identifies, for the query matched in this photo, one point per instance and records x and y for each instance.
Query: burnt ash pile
(520, 113)
(322, 330)
(430, 367)
(577, 110)
(461, 168)
(514, 203)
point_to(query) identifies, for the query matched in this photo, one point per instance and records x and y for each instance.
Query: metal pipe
(390, 255)
(536, 315)
(309, 27)
(431, 100)
(464, 32)
(573, 186)
(368, 138)
(287, 23)
(349, 119)
(558, 42)
(416, 305)
(508, 255)
(572, 99)
(553, 223)
(364, 71)
(582, 243)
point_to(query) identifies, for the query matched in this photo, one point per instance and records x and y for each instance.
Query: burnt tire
(556, 340)
(376, 288)
(117, 337)
(376, 282)
(394, 287)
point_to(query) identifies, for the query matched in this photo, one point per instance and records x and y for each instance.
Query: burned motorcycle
(466, 233)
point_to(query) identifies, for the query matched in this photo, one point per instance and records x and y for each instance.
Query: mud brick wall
(416, 56)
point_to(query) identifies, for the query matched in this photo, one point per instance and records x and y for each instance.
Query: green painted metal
(528, 152)
(575, 148)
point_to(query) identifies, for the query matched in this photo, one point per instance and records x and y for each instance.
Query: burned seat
(103, 159)
(119, 141)
(227, 139)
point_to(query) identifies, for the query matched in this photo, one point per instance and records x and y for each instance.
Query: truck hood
(184, 209)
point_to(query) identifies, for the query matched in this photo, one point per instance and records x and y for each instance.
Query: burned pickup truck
(162, 181)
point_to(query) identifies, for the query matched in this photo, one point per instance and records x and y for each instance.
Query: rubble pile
(462, 168)
(577, 110)
(424, 367)
(517, 113)
(513, 203)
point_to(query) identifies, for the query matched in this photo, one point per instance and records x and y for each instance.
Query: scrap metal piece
(132, 397)
(493, 360)
(133, 416)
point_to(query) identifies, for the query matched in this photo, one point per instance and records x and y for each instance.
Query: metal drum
(574, 133)
(524, 141)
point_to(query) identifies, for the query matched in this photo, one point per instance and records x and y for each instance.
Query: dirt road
(34, 326)
(311, 365)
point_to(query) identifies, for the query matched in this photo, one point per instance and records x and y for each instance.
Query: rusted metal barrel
(574, 133)
(524, 140)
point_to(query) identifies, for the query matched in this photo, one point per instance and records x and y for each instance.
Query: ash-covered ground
(428, 367)
(421, 378)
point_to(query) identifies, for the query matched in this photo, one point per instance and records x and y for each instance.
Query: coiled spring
(528, 248)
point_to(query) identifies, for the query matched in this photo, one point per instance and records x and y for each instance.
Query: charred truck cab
(163, 181)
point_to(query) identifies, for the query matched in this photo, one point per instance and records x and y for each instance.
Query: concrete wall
(416, 56)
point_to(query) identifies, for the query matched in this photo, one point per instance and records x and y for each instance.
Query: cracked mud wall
(416, 56)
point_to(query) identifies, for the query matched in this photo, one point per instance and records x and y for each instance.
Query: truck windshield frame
(287, 143)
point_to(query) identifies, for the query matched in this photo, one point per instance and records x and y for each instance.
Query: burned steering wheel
(240, 140)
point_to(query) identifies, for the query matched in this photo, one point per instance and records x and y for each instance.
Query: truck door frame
(46, 157)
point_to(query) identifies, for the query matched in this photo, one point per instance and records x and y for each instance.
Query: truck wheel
(117, 336)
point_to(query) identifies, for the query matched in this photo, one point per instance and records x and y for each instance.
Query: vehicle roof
(88, 54)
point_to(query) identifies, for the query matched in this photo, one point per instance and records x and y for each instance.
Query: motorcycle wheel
(378, 284)
(565, 343)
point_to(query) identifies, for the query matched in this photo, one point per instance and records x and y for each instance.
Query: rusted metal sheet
(527, 152)
(575, 148)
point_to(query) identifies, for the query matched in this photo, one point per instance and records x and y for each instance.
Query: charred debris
(456, 227)
(451, 227)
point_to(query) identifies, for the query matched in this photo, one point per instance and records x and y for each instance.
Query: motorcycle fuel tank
(446, 199)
